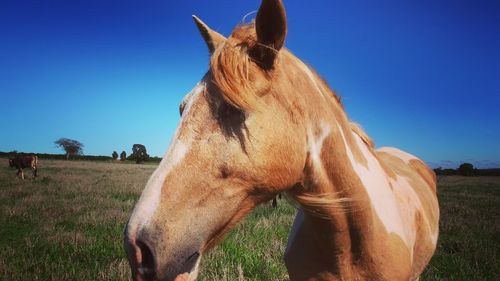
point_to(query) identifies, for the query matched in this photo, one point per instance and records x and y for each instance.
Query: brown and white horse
(261, 122)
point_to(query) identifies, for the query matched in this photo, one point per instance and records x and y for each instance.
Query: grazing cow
(24, 161)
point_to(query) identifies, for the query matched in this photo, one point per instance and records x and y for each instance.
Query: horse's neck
(341, 234)
(349, 214)
(339, 162)
(337, 156)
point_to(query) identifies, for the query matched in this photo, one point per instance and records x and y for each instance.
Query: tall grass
(68, 223)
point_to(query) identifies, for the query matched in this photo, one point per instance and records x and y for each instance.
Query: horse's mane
(356, 128)
(238, 76)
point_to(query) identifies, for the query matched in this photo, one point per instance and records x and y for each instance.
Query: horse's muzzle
(148, 264)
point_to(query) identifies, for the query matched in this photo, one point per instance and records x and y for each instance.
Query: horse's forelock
(234, 73)
(239, 77)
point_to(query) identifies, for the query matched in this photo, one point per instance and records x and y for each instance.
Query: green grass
(469, 241)
(67, 225)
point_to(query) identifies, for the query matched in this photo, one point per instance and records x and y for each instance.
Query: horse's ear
(212, 38)
(270, 26)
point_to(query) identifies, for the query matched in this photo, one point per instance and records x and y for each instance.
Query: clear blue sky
(423, 76)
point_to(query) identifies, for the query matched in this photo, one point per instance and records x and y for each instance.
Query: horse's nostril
(147, 267)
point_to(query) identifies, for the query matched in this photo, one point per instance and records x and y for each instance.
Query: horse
(261, 122)
(21, 162)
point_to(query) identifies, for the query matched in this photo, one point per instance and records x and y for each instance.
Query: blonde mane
(356, 128)
(238, 76)
(233, 71)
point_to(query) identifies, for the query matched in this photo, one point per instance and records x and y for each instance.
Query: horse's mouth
(191, 265)
(192, 260)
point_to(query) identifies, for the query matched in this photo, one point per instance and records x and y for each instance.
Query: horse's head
(239, 142)
(11, 162)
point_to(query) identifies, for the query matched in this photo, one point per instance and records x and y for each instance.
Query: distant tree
(438, 171)
(466, 169)
(114, 155)
(71, 147)
(123, 156)
(139, 153)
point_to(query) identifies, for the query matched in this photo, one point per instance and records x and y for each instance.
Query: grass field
(67, 225)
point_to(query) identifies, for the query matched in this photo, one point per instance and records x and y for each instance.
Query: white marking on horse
(150, 197)
(407, 195)
(408, 189)
(316, 144)
(406, 157)
(377, 186)
(315, 147)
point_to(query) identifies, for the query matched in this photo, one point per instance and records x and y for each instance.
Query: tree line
(139, 155)
(467, 170)
(73, 150)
